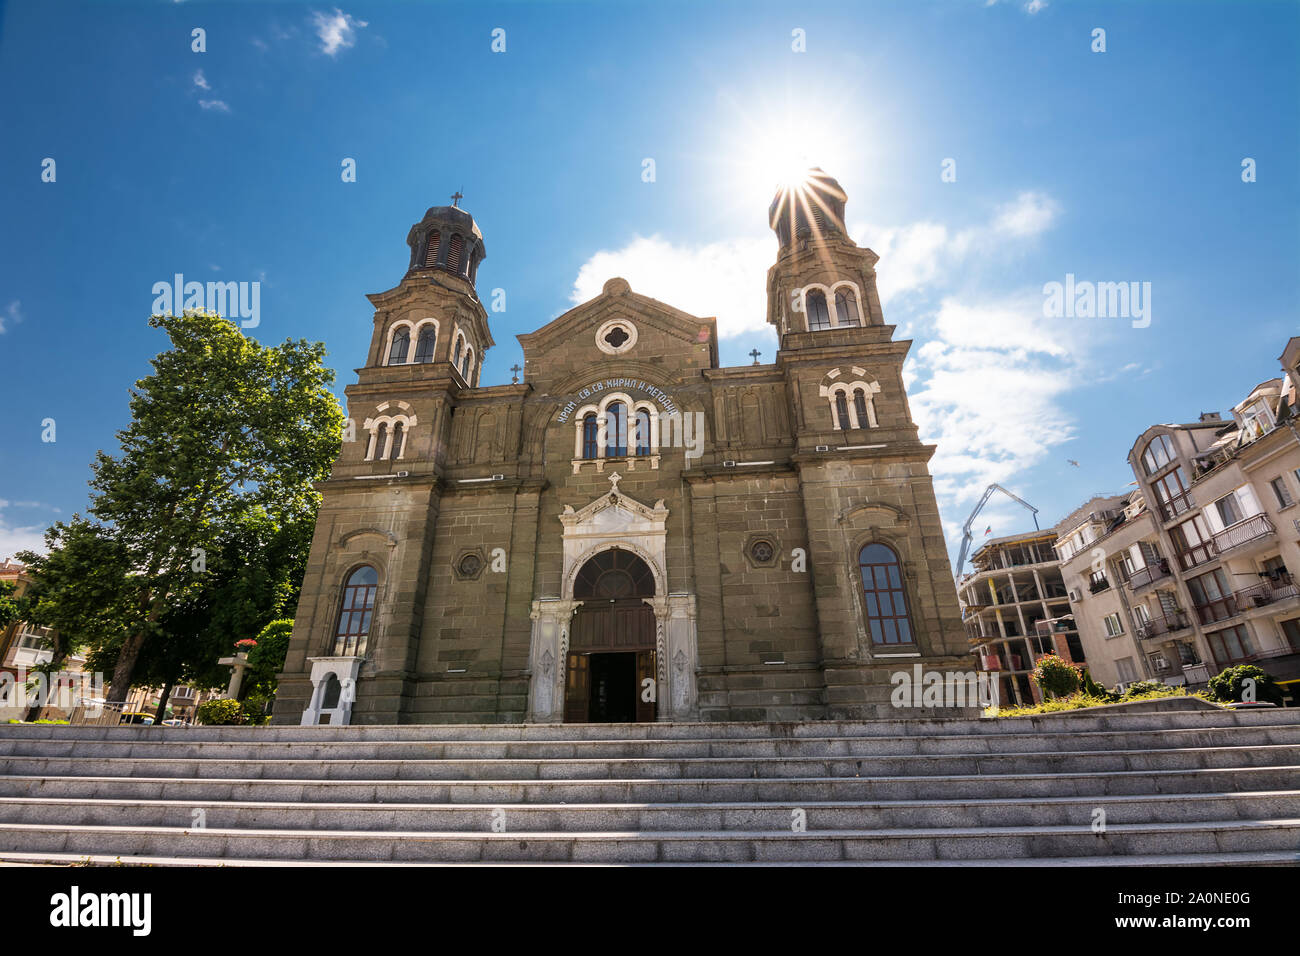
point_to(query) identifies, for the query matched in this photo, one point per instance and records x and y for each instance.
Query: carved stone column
(677, 635)
(548, 655)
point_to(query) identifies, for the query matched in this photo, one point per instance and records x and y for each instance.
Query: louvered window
(453, 253)
(431, 250)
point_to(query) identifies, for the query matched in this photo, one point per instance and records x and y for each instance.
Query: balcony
(1267, 592)
(1244, 532)
(1171, 509)
(1096, 587)
(1211, 612)
(1149, 575)
(1160, 626)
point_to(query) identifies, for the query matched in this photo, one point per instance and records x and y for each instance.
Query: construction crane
(966, 536)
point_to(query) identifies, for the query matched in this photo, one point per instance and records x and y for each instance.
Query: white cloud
(218, 105)
(201, 81)
(725, 279)
(336, 31)
(13, 312)
(1033, 6)
(15, 538)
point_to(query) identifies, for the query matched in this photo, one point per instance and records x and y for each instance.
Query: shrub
(1055, 677)
(221, 712)
(1146, 688)
(1092, 689)
(1229, 686)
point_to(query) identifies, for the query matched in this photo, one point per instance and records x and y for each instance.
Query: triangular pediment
(615, 513)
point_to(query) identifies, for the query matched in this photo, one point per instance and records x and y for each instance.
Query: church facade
(633, 532)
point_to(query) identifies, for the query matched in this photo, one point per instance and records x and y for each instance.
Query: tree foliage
(198, 529)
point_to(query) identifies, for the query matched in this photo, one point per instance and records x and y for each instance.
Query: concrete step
(783, 790)
(655, 767)
(934, 843)
(606, 817)
(808, 747)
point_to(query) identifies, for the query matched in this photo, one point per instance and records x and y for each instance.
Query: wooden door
(577, 689)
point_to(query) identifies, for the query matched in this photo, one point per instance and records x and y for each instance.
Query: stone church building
(633, 532)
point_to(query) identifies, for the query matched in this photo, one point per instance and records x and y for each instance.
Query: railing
(1179, 503)
(1217, 610)
(1265, 593)
(1096, 587)
(1198, 554)
(1244, 532)
(1162, 625)
(1148, 575)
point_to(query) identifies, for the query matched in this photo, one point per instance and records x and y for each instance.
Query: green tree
(12, 608)
(1229, 686)
(225, 434)
(1055, 676)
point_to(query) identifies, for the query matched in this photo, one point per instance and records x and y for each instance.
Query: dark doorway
(613, 689)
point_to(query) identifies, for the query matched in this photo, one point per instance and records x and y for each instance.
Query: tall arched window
(453, 252)
(424, 345)
(616, 430)
(590, 433)
(398, 435)
(842, 409)
(642, 434)
(455, 355)
(401, 345)
(1159, 452)
(818, 316)
(884, 595)
(860, 406)
(846, 308)
(464, 363)
(355, 612)
(431, 250)
(381, 441)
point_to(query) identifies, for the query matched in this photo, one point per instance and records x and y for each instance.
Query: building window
(1159, 452)
(1124, 667)
(381, 442)
(1230, 646)
(846, 308)
(1192, 543)
(465, 362)
(1113, 626)
(860, 406)
(590, 431)
(424, 345)
(882, 591)
(842, 409)
(401, 345)
(616, 430)
(1281, 492)
(762, 551)
(34, 638)
(453, 252)
(818, 316)
(1211, 596)
(354, 615)
(1171, 492)
(397, 442)
(1228, 509)
(642, 435)
(431, 250)
(1291, 631)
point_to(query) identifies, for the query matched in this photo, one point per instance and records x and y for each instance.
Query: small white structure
(334, 685)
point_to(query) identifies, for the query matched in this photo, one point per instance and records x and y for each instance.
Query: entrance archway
(610, 671)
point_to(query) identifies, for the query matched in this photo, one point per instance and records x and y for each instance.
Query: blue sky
(1115, 166)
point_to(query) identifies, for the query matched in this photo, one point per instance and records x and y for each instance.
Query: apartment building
(1016, 610)
(1193, 571)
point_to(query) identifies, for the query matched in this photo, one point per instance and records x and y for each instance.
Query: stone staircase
(1202, 787)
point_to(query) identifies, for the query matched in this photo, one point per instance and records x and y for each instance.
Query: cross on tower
(456, 197)
(514, 380)
(756, 353)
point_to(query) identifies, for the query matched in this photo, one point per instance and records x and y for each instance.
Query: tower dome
(813, 208)
(447, 239)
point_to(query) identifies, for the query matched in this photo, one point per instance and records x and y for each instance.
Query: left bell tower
(356, 638)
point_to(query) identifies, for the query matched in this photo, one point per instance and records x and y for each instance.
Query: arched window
(355, 612)
(1159, 452)
(842, 409)
(642, 433)
(401, 345)
(455, 355)
(860, 406)
(590, 431)
(453, 252)
(616, 430)
(464, 363)
(883, 593)
(431, 250)
(381, 440)
(398, 435)
(846, 308)
(818, 316)
(424, 345)
(612, 575)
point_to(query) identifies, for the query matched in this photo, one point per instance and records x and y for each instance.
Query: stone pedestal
(334, 689)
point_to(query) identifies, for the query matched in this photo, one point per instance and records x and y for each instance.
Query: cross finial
(456, 197)
(614, 479)
(515, 378)
(756, 353)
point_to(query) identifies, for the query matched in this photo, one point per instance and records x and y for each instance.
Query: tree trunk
(121, 683)
(162, 703)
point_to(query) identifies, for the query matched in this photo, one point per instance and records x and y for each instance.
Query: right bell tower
(882, 580)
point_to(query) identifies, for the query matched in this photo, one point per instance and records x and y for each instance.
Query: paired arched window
(355, 612)
(431, 250)
(842, 409)
(401, 345)
(590, 436)
(860, 406)
(846, 308)
(884, 595)
(425, 344)
(819, 316)
(381, 442)
(398, 435)
(853, 405)
(620, 427)
(641, 433)
(616, 430)
(388, 436)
